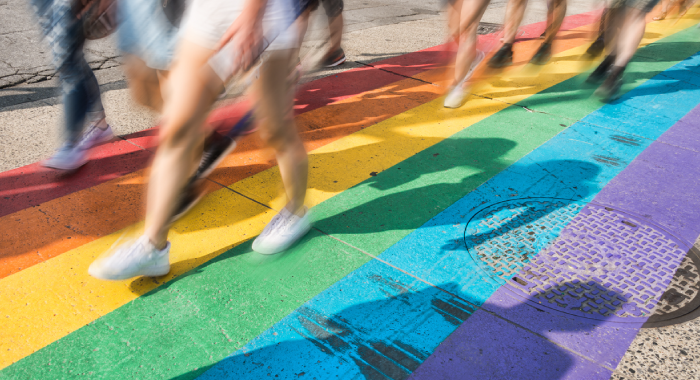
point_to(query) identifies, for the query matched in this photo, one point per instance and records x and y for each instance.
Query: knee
(283, 139)
(176, 133)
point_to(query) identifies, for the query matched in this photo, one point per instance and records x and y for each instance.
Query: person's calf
(144, 83)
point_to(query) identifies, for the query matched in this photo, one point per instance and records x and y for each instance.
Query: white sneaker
(282, 231)
(455, 97)
(137, 258)
(67, 157)
(96, 133)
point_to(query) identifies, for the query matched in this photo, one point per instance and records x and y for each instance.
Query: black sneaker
(337, 58)
(610, 89)
(190, 196)
(217, 147)
(544, 53)
(503, 57)
(596, 47)
(598, 75)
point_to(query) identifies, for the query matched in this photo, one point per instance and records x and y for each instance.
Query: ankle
(617, 71)
(296, 209)
(160, 244)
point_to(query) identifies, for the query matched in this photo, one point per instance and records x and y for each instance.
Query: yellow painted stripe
(50, 300)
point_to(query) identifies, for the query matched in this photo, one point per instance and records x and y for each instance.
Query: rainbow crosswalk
(384, 286)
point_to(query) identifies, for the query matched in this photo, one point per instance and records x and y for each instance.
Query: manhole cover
(589, 260)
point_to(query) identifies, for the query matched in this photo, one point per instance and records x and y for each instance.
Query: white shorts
(207, 20)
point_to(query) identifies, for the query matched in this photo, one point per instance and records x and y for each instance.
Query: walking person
(464, 17)
(82, 103)
(334, 11)
(515, 11)
(194, 83)
(624, 31)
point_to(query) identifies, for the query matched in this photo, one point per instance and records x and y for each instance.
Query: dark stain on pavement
(606, 160)
(627, 140)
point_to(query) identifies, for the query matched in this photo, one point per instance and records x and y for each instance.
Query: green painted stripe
(187, 325)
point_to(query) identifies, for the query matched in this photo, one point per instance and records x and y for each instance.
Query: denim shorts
(146, 32)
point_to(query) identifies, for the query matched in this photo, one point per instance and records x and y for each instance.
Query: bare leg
(630, 36)
(274, 111)
(557, 12)
(613, 22)
(453, 14)
(470, 13)
(515, 11)
(336, 26)
(144, 82)
(193, 88)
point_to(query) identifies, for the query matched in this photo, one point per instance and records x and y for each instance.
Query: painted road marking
(71, 221)
(69, 291)
(560, 168)
(109, 319)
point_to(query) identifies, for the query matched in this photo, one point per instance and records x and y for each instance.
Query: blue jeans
(64, 33)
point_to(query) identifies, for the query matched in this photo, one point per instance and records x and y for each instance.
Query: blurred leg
(470, 13)
(144, 83)
(613, 22)
(334, 11)
(515, 11)
(558, 12)
(192, 89)
(336, 26)
(630, 36)
(64, 34)
(274, 111)
(453, 14)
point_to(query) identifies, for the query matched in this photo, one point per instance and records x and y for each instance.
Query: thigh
(192, 89)
(274, 97)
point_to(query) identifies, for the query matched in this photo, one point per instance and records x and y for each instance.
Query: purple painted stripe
(661, 186)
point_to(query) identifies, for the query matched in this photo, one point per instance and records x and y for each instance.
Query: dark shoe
(544, 53)
(610, 89)
(598, 75)
(335, 59)
(217, 147)
(596, 47)
(503, 57)
(190, 196)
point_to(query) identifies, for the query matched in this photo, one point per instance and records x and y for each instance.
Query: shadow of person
(411, 198)
(419, 187)
(413, 330)
(511, 338)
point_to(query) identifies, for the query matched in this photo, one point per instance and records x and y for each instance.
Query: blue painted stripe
(378, 322)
